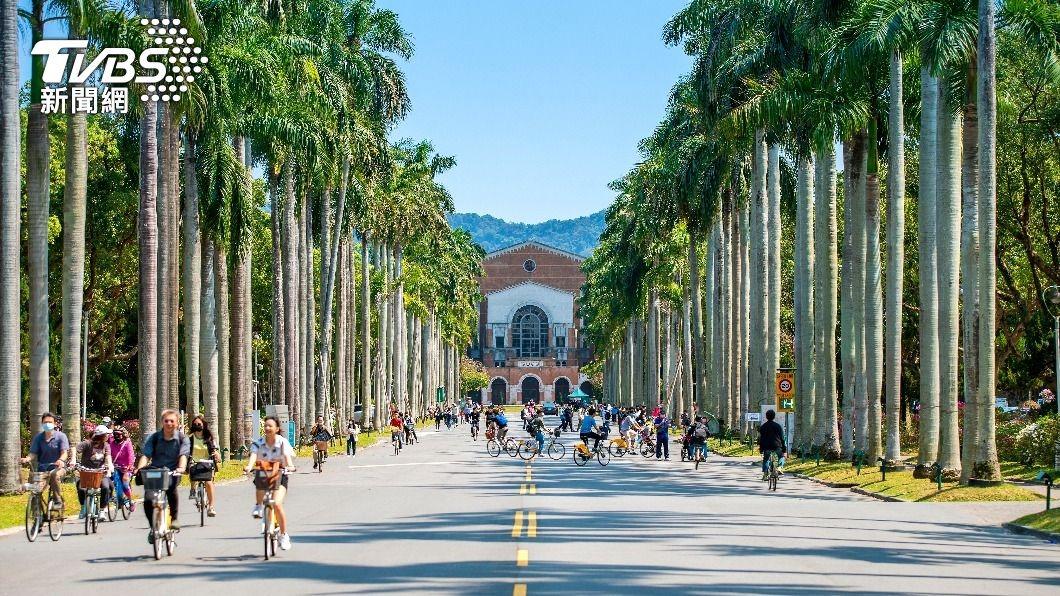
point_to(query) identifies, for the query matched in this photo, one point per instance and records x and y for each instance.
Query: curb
(862, 491)
(849, 485)
(1018, 529)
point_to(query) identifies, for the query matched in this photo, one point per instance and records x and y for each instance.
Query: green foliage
(1028, 441)
(473, 376)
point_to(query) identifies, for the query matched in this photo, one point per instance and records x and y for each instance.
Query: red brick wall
(553, 269)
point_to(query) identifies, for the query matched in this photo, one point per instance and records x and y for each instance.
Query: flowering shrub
(1027, 442)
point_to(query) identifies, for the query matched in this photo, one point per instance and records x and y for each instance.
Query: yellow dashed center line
(531, 525)
(522, 557)
(517, 527)
(520, 590)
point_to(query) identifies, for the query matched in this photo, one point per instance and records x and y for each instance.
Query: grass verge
(735, 449)
(1046, 521)
(902, 485)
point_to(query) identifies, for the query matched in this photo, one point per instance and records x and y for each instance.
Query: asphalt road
(444, 518)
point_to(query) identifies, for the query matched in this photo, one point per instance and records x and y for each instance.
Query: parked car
(549, 407)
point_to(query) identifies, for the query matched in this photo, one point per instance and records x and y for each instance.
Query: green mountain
(579, 235)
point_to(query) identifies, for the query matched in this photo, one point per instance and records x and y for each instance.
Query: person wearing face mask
(94, 454)
(204, 447)
(49, 452)
(123, 455)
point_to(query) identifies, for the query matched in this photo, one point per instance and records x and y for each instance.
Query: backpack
(701, 431)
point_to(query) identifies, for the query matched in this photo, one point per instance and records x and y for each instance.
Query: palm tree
(803, 297)
(986, 464)
(10, 199)
(208, 353)
(895, 257)
(826, 435)
(147, 320)
(222, 327)
(192, 279)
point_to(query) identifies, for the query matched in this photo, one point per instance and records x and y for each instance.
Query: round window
(529, 265)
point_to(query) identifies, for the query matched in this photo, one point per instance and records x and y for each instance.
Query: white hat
(106, 420)
(101, 430)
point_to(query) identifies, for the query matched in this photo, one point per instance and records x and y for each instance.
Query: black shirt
(770, 437)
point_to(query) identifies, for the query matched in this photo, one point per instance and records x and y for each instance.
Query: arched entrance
(531, 388)
(587, 388)
(562, 389)
(530, 331)
(499, 392)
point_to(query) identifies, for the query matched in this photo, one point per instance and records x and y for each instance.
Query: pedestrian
(662, 437)
(352, 429)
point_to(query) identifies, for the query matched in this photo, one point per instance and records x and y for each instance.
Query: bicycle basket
(156, 478)
(91, 478)
(265, 480)
(321, 445)
(201, 471)
(556, 432)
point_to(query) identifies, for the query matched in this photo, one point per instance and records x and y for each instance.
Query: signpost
(440, 395)
(785, 389)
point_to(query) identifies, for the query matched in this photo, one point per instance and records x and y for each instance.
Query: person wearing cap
(94, 454)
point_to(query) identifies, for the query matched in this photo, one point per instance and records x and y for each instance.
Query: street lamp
(1051, 298)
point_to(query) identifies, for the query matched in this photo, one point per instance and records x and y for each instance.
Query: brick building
(529, 335)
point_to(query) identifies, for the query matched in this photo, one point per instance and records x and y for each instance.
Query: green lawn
(736, 449)
(1047, 521)
(902, 485)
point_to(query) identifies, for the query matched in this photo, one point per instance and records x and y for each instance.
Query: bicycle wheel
(171, 544)
(528, 450)
(556, 450)
(112, 509)
(615, 449)
(93, 513)
(580, 459)
(396, 448)
(511, 447)
(493, 448)
(159, 536)
(200, 502)
(34, 517)
(124, 505)
(603, 457)
(56, 520)
(647, 450)
(268, 531)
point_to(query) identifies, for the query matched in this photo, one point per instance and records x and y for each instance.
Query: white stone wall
(557, 304)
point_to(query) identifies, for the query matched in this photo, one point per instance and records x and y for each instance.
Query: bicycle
(396, 440)
(267, 481)
(772, 471)
(511, 446)
(36, 515)
(582, 454)
(156, 482)
(90, 481)
(554, 448)
(320, 452)
(647, 446)
(118, 501)
(198, 491)
(698, 453)
(474, 431)
(618, 447)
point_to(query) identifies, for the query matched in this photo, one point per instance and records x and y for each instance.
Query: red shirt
(396, 423)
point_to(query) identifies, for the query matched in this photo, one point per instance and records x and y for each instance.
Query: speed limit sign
(785, 391)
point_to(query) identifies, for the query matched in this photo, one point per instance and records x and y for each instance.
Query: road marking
(531, 525)
(417, 463)
(517, 527)
(528, 475)
(522, 557)
(520, 590)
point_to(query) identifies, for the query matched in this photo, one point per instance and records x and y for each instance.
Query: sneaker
(765, 476)
(81, 514)
(150, 537)
(314, 466)
(211, 513)
(256, 512)
(285, 542)
(132, 506)
(174, 525)
(667, 458)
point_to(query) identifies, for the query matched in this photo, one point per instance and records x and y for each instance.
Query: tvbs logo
(166, 68)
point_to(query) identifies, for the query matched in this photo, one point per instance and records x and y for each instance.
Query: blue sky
(541, 102)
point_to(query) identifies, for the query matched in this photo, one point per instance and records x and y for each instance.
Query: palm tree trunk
(305, 418)
(724, 271)
(687, 382)
(895, 259)
(383, 386)
(342, 306)
(329, 259)
(38, 197)
(74, 207)
(947, 221)
(172, 172)
(804, 306)
(872, 344)
(311, 326)
(928, 269)
(208, 354)
(164, 256)
(240, 355)
(653, 347)
(10, 267)
(761, 360)
(290, 296)
(742, 397)
(627, 365)
(706, 333)
(366, 333)
(278, 374)
(147, 224)
(401, 334)
(192, 278)
(969, 276)
(224, 361)
(986, 464)
(826, 435)
(699, 343)
(775, 231)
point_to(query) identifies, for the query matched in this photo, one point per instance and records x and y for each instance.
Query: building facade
(529, 336)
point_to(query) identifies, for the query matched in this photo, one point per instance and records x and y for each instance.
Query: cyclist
(771, 440)
(628, 428)
(502, 423)
(397, 425)
(536, 428)
(320, 434)
(273, 447)
(589, 429)
(698, 434)
(123, 455)
(94, 454)
(410, 428)
(203, 446)
(473, 417)
(50, 452)
(166, 448)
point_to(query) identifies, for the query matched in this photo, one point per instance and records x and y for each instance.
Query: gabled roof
(535, 244)
(528, 282)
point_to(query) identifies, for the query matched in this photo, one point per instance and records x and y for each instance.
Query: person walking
(352, 430)
(662, 437)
